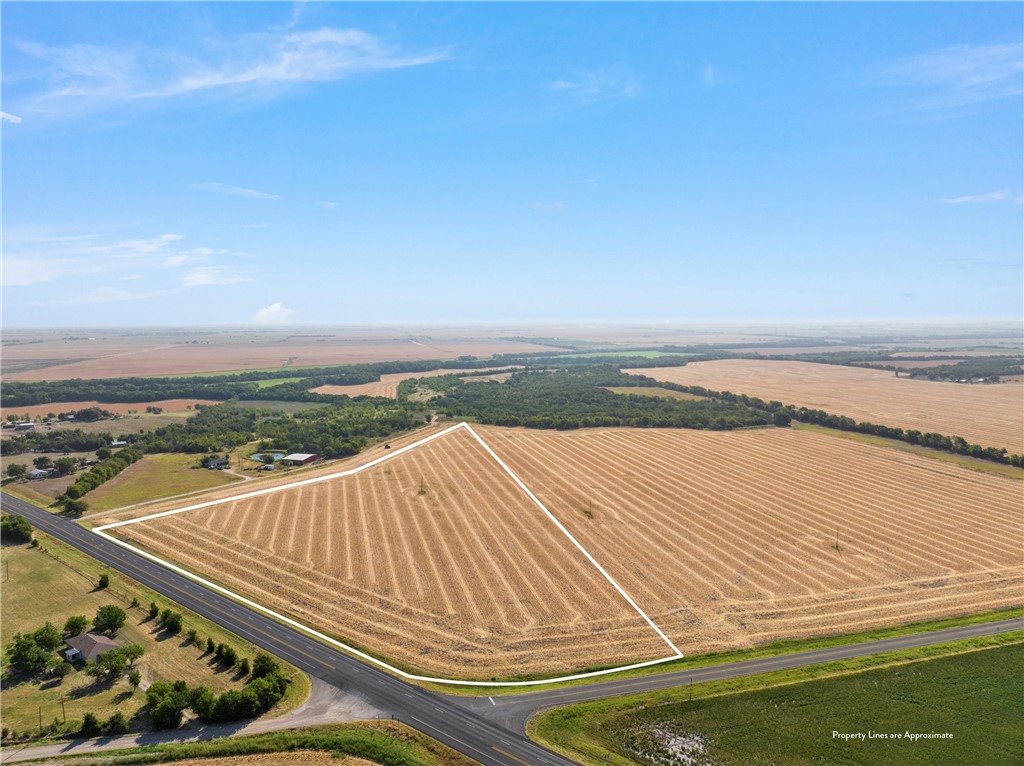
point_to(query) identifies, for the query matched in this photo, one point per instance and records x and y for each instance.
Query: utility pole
(40, 720)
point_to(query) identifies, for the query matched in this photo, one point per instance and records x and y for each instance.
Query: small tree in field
(109, 618)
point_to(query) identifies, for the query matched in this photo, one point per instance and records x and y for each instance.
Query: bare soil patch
(989, 415)
(727, 539)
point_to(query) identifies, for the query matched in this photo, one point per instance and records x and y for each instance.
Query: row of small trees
(167, 702)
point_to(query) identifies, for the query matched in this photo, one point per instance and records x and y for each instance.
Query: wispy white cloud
(327, 205)
(18, 272)
(984, 199)
(708, 75)
(201, 276)
(550, 207)
(275, 313)
(597, 86)
(960, 75)
(238, 191)
(136, 247)
(87, 76)
(5, 117)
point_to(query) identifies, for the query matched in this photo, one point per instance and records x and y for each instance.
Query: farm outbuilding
(299, 458)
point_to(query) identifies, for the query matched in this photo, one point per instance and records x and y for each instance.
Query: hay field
(118, 408)
(388, 384)
(726, 538)
(435, 559)
(989, 415)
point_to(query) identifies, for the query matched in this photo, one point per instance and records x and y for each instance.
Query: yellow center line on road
(509, 755)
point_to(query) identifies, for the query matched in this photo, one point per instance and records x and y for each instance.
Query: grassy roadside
(974, 464)
(384, 742)
(55, 581)
(594, 732)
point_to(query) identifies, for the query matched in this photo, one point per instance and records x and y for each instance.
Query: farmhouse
(39, 473)
(28, 426)
(217, 463)
(299, 458)
(88, 647)
(119, 443)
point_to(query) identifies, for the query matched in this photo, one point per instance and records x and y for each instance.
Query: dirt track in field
(989, 415)
(727, 539)
(388, 384)
(467, 579)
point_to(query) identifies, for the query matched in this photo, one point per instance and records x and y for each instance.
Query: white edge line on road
(574, 541)
(352, 650)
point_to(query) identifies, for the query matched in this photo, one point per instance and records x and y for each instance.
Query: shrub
(172, 621)
(134, 678)
(76, 625)
(62, 669)
(15, 529)
(154, 610)
(229, 656)
(116, 724)
(263, 665)
(90, 726)
(210, 648)
(104, 581)
(193, 636)
(243, 666)
(109, 618)
(48, 637)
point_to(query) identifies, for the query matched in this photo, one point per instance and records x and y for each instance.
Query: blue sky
(389, 163)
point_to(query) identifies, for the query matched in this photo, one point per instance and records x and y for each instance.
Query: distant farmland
(989, 415)
(726, 539)
(388, 384)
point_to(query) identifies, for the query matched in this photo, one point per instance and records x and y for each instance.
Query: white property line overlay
(369, 658)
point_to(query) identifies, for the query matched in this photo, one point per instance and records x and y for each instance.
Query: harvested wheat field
(726, 539)
(989, 415)
(388, 384)
(434, 558)
(118, 408)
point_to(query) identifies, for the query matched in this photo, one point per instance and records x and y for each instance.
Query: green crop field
(972, 701)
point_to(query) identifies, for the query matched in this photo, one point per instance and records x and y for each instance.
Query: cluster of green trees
(167, 702)
(577, 398)
(15, 529)
(68, 440)
(780, 411)
(103, 471)
(987, 368)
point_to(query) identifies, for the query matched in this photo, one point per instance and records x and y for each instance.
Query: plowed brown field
(992, 415)
(388, 384)
(727, 539)
(468, 578)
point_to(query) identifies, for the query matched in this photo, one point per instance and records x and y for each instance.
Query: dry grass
(727, 539)
(989, 415)
(294, 758)
(435, 559)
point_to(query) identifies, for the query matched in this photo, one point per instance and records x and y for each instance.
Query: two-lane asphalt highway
(438, 716)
